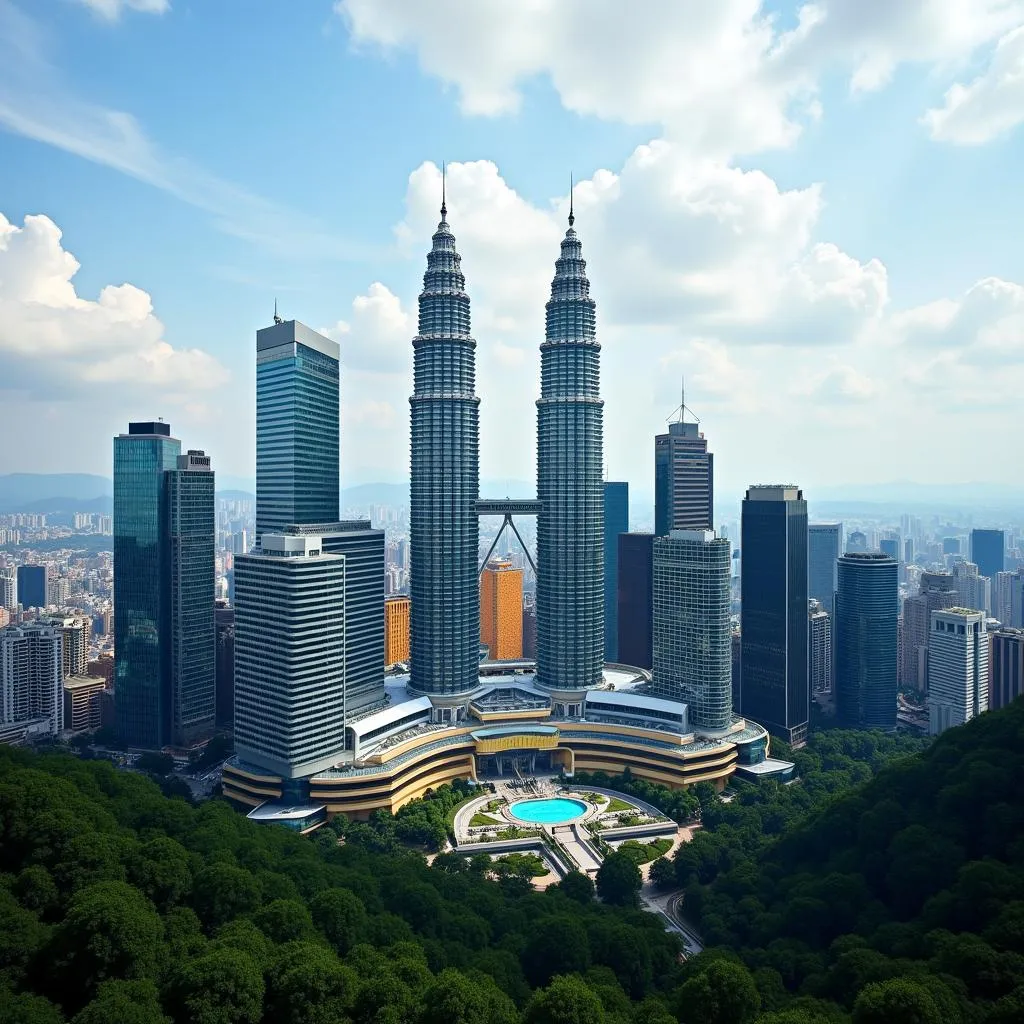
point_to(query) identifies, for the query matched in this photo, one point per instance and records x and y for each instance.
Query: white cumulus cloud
(723, 77)
(48, 332)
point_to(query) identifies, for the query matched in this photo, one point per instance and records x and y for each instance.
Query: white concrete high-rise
(819, 641)
(692, 632)
(32, 674)
(958, 654)
(290, 656)
(973, 590)
(8, 587)
(1008, 598)
(937, 591)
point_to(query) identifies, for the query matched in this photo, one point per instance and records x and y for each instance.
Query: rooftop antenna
(572, 216)
(277, 319)
(444, 190)
(683, 410)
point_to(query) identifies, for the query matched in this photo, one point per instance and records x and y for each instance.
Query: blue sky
(811, 212)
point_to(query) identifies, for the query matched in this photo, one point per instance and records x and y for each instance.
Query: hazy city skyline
(795, 278)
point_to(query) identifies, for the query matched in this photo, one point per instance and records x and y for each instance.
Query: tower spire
(572, 216)
(682, 399)
(277, 319)
(444, 204)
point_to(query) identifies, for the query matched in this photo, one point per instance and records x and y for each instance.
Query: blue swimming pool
(553, 811)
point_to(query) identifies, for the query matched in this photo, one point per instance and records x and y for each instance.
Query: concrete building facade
(936, 593)
(290, 656)
(501, 610)
(396, 630)
(692, 631)
(958, 655)
(32, 675)
(684, 479)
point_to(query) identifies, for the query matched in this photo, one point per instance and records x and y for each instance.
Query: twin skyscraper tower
(445, 479)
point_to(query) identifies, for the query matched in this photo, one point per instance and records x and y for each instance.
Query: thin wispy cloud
(37, 103)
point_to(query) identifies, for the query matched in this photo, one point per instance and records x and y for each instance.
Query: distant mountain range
(49, 493)
(85, 492)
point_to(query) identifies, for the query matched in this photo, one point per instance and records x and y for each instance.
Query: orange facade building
(396, 630)
(501, 610)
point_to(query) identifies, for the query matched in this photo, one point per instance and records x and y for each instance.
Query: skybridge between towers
(508, 507)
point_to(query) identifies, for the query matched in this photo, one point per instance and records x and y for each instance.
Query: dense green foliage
(845, 898)
(900, 901)
(120, 906)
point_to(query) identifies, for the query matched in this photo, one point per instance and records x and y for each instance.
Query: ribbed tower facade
(570, 527)
(444, 588)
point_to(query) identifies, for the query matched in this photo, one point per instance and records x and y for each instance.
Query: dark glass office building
(988, 549)
(684, 480)
(570, 525)
(363, 549)
(142, 459)
(1006, 668)
(774, 672)
(890, 546)
(824, 541)
(636, 599)
(192, 641)
(32, 586)
(616, 521)
(444, 621)
(865, 638)
(296, 427)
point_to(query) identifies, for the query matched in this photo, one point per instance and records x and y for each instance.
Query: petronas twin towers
(445, 480)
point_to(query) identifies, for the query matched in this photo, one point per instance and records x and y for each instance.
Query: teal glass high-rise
(297, 434)
(142, 458)
(191, 578)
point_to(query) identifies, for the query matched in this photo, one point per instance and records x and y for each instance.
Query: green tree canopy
(619, 880)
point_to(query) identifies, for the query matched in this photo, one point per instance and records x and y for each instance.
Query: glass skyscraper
(570, 525)
(988, 551)
(774, 676)
(635, 596)
(692, 632)
(824, 544)
(616, 521)
(444, 481)
(297, 434)
(192, 640)
(867, 616)
(142, 458)
(31, 586)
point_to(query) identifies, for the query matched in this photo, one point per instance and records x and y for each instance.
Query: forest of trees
(825, 902)
(901, 900)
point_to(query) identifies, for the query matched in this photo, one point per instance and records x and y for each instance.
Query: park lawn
(485, 819)
(615, 805)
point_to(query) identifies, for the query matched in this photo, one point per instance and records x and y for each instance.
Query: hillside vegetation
(842, 898)
(902, 900)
